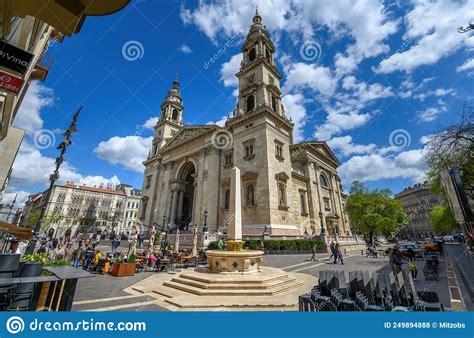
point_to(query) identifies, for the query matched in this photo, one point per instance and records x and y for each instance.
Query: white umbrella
(176, 241)
(194, 242)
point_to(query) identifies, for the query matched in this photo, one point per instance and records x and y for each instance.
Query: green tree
(442, 219)
(374, 212)
(33, 217)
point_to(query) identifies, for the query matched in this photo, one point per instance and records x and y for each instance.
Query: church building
(289, 190)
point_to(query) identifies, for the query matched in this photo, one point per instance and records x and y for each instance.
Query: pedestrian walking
(314, 258)
(439, 244)
(332, 248)
(77, 254)
(413, 268)
(337, 254)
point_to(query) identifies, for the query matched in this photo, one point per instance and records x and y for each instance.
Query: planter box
(123, 269)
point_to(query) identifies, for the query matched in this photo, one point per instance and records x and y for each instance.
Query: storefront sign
(14, 58)
(10, 83)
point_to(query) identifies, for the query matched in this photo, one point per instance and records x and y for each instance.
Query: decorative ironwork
(466, 29)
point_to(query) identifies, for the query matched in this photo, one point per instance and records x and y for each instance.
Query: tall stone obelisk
(234, 233)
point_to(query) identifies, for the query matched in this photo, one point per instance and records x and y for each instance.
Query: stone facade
(417, 202)
(288, 190)
(84, 209)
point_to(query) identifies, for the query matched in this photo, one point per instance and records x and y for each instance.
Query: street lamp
(204, 228)
(323, 231)
(466, 29)
(54, 177)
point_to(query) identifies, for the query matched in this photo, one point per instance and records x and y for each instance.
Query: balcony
(42, 68)
(67, 16)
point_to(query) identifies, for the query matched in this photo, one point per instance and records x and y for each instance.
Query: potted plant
(122, 267)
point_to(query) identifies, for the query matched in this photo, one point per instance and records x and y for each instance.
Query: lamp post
(466, 29)
(54, 177)
(204, 228)
(323, 231)
(165, 227)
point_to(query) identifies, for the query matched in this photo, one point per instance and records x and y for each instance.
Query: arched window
(250, 103)
(175, 114)
(268, 55)
(252, 54)
(303, 203)
(281, 194)
(227, 199)
(323, 180)
(250, 196)
(274, 104)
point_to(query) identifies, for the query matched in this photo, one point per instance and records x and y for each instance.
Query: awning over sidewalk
(20, 232)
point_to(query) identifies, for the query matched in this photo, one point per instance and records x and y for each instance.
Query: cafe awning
(19, 232)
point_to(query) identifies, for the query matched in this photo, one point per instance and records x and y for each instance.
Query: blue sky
(375, 79)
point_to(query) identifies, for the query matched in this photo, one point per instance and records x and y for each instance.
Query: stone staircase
(228, 285)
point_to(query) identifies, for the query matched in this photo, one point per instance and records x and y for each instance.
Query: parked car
(417, 250)
(429, 246)
(449, 239)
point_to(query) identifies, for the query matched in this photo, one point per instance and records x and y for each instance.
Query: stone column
(193, 208)
(174, 205)
(180, 205)
(234, 233)
(320, 198)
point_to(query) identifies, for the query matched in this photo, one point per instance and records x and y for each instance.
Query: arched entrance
(183, 196)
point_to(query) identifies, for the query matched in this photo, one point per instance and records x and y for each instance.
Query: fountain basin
(234, 262)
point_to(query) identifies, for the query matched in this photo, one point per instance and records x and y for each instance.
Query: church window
(250, 195)
(327, 204)
(148, 182)
(252, 54)
(281, 194)
(228, 159)
(323, 180)
(250, 103)
(145, 205)
(175, 114)
(279, 150)
(268, 55)
(227, 199)
(249, 151)
(303, 202)
(274, 104)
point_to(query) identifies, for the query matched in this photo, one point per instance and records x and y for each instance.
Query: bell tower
(259, 79)
(170, 120)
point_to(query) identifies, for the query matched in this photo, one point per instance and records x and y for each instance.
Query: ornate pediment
(187, 134)
(282, 176)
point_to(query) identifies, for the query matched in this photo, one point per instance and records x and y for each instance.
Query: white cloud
(469, 64)
(36, 98)
(366, 22)
(431, 26)
(150, 123)
(346, 109)
(346, 147)
(229, 69)
(431, 114)
(185, 49)
(128, 151)
(220, 123)
(409, 164)
(302, 75)
(294, 108)
(21, 197)
(32, 168)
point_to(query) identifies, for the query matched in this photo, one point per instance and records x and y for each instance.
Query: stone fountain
(232, 279)
(234, 260)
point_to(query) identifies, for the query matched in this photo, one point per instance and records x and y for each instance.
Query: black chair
(9, 264)
(23, 292)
